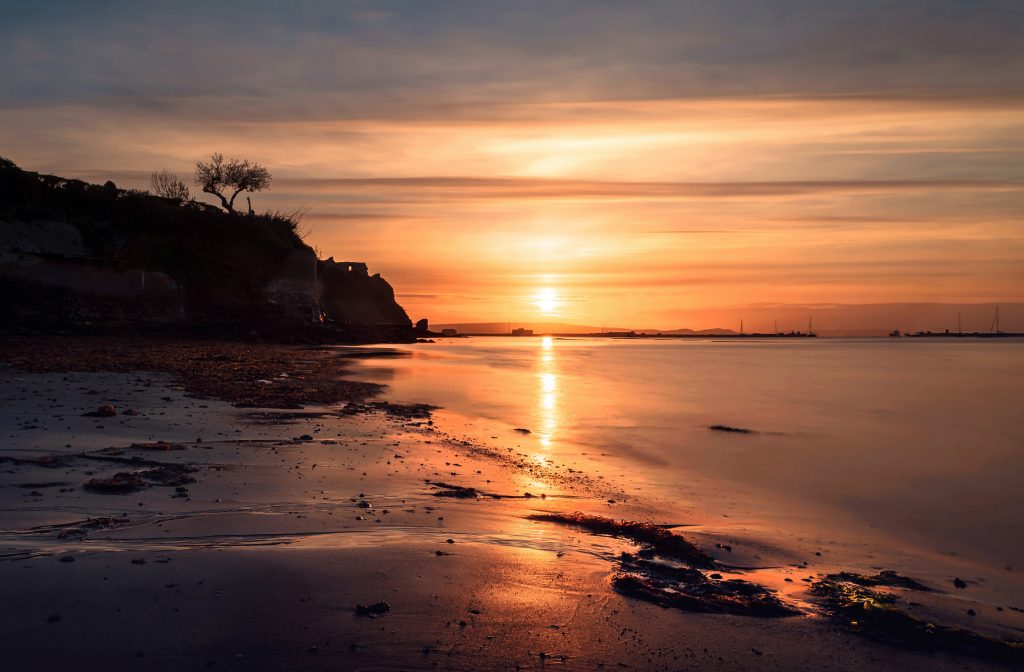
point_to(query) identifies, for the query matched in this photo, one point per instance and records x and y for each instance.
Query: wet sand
(251, 534)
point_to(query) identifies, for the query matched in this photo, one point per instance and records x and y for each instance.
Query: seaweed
(119, 484)
(886, 577)
(657, 539)
(692, 590)
(878, 615)
(734, 430)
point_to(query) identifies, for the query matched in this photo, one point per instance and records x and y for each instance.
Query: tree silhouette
(220, 178)
(167, 185)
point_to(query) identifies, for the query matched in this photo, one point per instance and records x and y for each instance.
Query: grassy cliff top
(193, 242)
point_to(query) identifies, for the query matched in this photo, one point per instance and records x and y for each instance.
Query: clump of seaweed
(403, 411)
(159, 446)
(728, 428)
(169, 475)
(851, 599)
(161, 474)
(455, 491)
(886, 577)
(657, 539)
(692, 590)
(120, 483)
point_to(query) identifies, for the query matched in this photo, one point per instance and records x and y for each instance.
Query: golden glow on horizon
(650, 214)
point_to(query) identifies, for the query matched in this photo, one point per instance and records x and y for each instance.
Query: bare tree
(167, 185)
(227, 179)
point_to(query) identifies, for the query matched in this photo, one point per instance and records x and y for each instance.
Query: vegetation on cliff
(209, 252)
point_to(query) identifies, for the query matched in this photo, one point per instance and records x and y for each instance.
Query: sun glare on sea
(547, 300)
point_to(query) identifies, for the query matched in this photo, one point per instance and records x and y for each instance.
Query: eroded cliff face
(49, 277)
(360, 304)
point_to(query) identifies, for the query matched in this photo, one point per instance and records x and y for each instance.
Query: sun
(547, 300)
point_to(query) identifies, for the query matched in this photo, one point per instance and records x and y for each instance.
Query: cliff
(79, 255)
(352, 300)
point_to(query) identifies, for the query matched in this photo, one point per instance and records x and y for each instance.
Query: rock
(522, 430)
(67, 558)
(959, 583)
(52, 618)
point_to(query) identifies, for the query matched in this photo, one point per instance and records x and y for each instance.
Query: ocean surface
(911, 444)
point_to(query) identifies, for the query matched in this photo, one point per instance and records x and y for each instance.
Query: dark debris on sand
(79, 529)
(402, 411)
(667, 584)
(734, 430)
(169, 474)
(373, 610)
(248, 375)
(693, 590)
(119, 484)
(657, 539)
(851, 599)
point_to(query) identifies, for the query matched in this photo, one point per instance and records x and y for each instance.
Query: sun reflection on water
(547, 396)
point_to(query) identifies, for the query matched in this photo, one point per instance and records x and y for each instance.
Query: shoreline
(295, 516)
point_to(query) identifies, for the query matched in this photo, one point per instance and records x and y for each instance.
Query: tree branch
(223, 201)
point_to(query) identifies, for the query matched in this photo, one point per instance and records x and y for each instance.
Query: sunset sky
(651, 164)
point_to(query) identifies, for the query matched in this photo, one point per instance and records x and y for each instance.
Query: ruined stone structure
(357, 303)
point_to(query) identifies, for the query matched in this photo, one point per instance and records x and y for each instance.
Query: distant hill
(563, 328)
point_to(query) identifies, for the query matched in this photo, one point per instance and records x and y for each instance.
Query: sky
(657, 164)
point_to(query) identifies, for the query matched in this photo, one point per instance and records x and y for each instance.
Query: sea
(901, 446)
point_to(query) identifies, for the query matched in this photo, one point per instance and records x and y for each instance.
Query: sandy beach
(210, 523)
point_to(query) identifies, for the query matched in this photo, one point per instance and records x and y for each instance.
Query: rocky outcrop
(74, 254)
(359, 304)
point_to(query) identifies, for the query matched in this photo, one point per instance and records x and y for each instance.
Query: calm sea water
(921, 441)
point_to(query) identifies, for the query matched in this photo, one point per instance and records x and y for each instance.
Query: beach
(177, 504)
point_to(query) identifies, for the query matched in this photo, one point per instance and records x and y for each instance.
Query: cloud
(648, 156)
